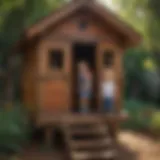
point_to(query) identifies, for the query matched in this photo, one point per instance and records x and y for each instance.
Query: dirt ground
(135, 146)
(131, 146)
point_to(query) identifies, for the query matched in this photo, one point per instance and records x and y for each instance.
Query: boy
(108, 90)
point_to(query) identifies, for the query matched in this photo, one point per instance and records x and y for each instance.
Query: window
(108, 59)
(56, 59)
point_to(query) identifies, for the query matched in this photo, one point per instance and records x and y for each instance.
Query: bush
(155, 122)
(14, 129)
(140, 114)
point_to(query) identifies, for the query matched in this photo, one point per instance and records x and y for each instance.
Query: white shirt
(108, 89)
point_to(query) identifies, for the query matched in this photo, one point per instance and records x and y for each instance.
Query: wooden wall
(29, 78)
(53, 84)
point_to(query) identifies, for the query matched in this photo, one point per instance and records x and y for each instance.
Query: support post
(48, 137)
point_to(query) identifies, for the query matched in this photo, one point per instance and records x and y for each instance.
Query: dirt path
(134, 146)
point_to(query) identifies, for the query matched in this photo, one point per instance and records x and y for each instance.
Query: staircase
(88, 140)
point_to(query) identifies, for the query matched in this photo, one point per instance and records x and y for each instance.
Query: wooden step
(93, 131)
(84, 144)
(87, 126)
(83, 120)
(93, 155)
(87, 138)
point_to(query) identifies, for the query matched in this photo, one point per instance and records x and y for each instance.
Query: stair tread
(91, 143)
(89, 131)
(93, 155)
(88, 139)
(83, 119)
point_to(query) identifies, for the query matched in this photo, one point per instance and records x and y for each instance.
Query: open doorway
(84, 52)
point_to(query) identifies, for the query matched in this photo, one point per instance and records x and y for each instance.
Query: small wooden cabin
(52, 48)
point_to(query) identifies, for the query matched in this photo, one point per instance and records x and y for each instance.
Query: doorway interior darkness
(84, 52)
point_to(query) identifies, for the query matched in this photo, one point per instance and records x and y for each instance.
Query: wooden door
(103, 49)
(55, 71)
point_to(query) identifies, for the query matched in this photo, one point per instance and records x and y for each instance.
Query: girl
(85, 86)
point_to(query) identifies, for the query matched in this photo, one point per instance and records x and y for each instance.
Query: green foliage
(140, 114)
(14, 129)
(144, 16)
(142, 81)
(16, 16)
(155, 122)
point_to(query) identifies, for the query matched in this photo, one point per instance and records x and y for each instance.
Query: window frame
(64, 48)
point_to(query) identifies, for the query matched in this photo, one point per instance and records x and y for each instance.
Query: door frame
(85, 42)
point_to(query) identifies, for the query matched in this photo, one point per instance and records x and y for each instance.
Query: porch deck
(44, 119)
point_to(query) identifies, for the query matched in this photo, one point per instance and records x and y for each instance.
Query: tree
(144, 16)
(15, 17)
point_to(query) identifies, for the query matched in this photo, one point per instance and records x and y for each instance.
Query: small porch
(50, 119)
(81, 135)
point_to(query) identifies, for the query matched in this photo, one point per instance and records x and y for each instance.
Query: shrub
(140, 114)
(155, 122)
(14, 129)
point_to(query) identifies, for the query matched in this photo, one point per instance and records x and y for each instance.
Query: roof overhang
(132, 37)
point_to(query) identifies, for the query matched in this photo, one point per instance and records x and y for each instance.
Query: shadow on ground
(124, 153)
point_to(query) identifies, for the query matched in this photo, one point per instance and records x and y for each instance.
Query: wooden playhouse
(81, 30)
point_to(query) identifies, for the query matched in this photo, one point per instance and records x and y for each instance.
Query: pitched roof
(109, 17)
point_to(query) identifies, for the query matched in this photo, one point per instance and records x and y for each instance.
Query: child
(85, 81)
(108, 90)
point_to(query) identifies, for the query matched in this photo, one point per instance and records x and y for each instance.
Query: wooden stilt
(113, 131)
(53, 138)
(48, 137)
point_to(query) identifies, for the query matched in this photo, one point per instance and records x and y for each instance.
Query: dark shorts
(85, 94)
(108, 104)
